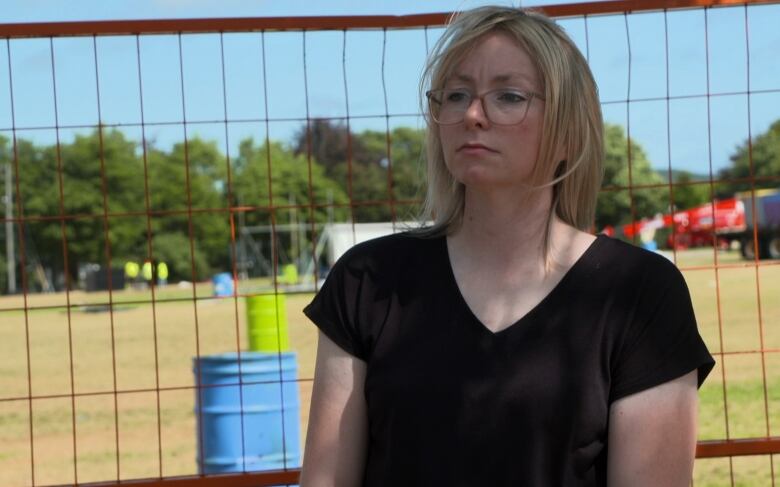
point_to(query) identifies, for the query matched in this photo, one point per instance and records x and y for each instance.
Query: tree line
(179, 200)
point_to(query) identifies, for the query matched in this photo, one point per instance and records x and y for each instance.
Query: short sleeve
(334, 309)
(662, 341)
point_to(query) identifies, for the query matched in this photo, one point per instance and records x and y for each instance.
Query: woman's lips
(474, 148)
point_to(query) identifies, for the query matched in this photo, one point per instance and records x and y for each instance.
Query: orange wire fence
(98, 387)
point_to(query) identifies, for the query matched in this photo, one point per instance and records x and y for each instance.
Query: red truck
(764, 224)
(727, 221)
(695, 227)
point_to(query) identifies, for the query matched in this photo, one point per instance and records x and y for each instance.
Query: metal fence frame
(705, 449)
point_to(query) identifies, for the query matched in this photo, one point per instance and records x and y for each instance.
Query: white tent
(337, 238)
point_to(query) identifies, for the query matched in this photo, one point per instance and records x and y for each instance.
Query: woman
(505, 345)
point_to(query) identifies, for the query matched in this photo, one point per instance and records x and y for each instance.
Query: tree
(290, 181)
(268, 176)
(353, 161)
(764, 150)
(407, 153)
(67, 190)
(85, 170)
(191, 177)
(687, 194)
(173, 248)
(362, 168)
(102, 173)
(324, 141)
(369, 191)
(37, 184)
(614, 205)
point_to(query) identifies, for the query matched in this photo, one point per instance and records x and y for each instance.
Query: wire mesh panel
(161, 178)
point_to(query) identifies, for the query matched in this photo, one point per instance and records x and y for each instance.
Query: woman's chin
(477, 181)
(486, 180)
(475, 174)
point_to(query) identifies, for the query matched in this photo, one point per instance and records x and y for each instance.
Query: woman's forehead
(495, 58)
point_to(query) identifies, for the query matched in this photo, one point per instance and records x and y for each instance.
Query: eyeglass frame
(530, 95)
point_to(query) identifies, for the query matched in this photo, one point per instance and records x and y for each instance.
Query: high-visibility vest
(146, 271)
(162, 270)
(131, 269)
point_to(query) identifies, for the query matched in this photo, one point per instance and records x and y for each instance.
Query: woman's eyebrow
(499, 78)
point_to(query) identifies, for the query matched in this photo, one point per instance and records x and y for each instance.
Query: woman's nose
(475, 115)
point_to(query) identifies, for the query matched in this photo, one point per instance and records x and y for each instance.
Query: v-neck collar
(580, 265)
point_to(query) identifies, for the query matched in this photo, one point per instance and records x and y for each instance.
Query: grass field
(130, 419)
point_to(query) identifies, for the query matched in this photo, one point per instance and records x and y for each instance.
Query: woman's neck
(508, 223)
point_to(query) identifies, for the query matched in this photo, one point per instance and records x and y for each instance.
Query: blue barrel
(268, 405)
(223, 284)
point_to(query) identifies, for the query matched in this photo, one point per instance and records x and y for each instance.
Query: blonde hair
(572, 117)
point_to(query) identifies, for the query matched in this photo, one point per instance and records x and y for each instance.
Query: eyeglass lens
(502, 106)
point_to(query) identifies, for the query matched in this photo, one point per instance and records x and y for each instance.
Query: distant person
(505, 345)
(162, 274)
(131, 272)
(147, 272)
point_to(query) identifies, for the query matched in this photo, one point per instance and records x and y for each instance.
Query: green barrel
(266, 316)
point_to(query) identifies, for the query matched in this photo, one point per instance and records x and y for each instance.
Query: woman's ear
(560, 169)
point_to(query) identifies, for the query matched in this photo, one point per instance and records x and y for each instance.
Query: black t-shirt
(451, 403)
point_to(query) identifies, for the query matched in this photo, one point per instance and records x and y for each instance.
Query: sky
(688, 108)
(74, 10)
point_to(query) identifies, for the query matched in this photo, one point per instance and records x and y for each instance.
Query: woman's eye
(510, 97)
(456, 96)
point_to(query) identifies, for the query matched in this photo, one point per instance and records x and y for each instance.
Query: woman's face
(479, 153)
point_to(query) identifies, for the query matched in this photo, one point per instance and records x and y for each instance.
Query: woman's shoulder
(389, 251)
(625, 261)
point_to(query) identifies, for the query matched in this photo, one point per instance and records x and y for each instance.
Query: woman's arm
(336, 441)
(652, 436)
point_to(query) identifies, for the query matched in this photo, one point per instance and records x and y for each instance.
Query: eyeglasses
(503, 106)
